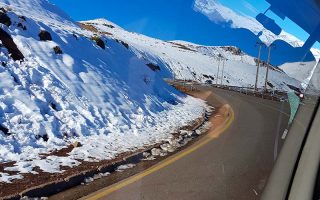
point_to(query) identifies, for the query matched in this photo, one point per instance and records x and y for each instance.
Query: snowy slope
(107, 99)
(219, 13)
(194, 62)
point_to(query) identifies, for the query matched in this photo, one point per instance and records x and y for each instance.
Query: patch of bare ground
(107, 33)
(93, 29)
(181, 46)
(88, 27)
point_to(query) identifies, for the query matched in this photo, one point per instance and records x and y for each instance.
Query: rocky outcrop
(99, 42)
(45, 36)
(8, 43)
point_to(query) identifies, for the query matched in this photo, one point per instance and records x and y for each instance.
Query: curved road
(235, 165)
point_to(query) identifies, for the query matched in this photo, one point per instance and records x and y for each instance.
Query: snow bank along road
(233, 165)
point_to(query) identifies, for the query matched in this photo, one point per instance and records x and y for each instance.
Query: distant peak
(102, 22)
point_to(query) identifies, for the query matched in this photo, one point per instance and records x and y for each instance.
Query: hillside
(60, 84)
(195, 62)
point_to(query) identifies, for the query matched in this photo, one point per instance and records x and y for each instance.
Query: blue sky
(161, 18)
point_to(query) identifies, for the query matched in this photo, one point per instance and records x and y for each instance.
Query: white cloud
(249, 7)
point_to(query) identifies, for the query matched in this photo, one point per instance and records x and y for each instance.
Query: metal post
(219, 59)
(257, 75)
(268, 63)
(223, 64)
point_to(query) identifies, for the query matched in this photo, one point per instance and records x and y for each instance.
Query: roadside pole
(219, 60)
(223, 65)
(260, 44)
(268, 63)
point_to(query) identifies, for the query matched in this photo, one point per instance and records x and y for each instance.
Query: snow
(194, 62)
(5, 177)
(124, 167)
(108, 100)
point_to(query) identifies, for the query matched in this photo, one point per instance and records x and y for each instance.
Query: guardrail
(274, 95)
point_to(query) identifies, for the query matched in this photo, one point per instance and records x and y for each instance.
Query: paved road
(234, 166)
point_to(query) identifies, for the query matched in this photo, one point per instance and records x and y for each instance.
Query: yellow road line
(105, 192)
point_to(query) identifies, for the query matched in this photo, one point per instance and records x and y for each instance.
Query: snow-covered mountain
(62, 81)
(73, 85)
(195, 62)
(219, 13)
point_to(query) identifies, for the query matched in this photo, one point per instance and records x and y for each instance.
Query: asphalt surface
(236, 165)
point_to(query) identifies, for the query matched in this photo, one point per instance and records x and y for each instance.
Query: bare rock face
(57, 50)
(153, 67)
(4, 130)
(45, 36)
(233, 50)
(99, 42)
(4, 18)
(126, 45)
(8, 43)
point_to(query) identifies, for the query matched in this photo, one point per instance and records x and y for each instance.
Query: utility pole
(223, 65)
(268, 64)
(219, 59)
(260, 44)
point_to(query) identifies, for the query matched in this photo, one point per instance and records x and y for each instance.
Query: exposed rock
(4, 130)
(184, 47)
(109, 25)
(45, 137)
(208, 76)
(153, 67)
(5, 19)
(99, 42)
(57, 50)
(88, 27)
(8, 43)
(123, 43)
(234, 50)
(53, 106)
(45, 36)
